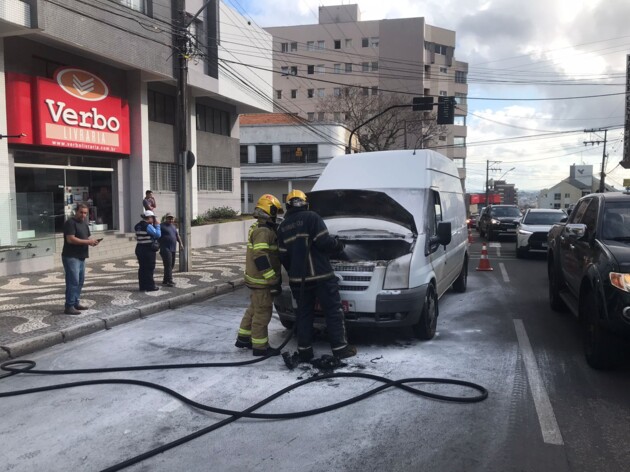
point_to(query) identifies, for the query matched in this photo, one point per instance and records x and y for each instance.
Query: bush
(221, 212)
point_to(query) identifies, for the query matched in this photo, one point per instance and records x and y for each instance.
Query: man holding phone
(76, 242)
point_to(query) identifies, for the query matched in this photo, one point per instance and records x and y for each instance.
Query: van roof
(390, 170)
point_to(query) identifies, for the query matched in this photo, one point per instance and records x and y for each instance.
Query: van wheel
(461, 282)
(288, 324)
(425, 328)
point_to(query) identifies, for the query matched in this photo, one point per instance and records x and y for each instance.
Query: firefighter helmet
(270, 205)
(296, 198)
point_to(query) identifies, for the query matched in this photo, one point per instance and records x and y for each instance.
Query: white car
(531, 232)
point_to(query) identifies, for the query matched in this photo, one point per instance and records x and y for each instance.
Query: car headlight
(495, 222)
(397, 273)
(524, 231)
(621, 281)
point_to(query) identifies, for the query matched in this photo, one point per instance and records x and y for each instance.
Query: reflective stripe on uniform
(321, 233)
(262, 341)
(259, 246)
(244, 332)
(255, 280)
(269, 274)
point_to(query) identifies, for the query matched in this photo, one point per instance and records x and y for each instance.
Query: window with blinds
(163, 177)
(213, 178)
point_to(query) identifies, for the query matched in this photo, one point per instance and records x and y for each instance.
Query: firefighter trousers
(257, 317)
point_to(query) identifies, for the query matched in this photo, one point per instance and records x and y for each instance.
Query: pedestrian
(168, 246)
(147, 235)
(262, 276)
(76, 242)
(304, 246)
(149, 201)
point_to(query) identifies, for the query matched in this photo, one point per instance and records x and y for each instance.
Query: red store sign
(74, 110)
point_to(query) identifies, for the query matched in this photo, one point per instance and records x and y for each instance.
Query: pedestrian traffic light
(446, 110)
(422, 104)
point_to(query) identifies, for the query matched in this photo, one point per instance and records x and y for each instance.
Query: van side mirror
(442, 238)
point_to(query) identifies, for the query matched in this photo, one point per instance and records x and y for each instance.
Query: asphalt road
(546, 410)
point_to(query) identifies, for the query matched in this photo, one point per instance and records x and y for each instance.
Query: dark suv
(496, 220)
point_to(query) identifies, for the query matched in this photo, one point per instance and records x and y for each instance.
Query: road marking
(546, 417)
(506, 279)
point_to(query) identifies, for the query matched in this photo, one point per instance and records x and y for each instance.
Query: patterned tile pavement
(31, 305)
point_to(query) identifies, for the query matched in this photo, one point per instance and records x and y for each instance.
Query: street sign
(422, 104)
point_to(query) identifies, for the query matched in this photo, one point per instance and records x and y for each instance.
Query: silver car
(531, 232)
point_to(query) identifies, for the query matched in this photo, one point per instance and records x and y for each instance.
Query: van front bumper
(393, 308)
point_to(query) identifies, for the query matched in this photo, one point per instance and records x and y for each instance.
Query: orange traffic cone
(484, 263)
(470, 237)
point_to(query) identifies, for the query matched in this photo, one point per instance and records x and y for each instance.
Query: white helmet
(148, 213)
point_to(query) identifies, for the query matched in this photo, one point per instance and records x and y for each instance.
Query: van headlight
(397, 273)
(619, 280)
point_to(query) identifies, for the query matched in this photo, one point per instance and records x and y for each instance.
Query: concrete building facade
(568, 191)
(406, 56)
(87, 101)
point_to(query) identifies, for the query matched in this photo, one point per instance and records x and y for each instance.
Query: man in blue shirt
(168, 247)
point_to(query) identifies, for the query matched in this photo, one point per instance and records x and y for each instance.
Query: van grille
(354, 277)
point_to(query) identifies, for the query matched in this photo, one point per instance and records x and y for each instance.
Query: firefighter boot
(305, 353)
(342, 352)
(244, 342)
(268, 351)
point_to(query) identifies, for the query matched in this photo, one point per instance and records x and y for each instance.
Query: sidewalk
(32, 305)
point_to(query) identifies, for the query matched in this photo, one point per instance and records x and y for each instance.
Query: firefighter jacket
(304, 245)
(262, 266)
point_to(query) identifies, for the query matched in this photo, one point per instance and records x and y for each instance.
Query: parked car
(588, 263)
(402, 217)
(497, 220)
(531, 231)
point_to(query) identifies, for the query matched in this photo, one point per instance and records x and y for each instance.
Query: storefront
(73, 133)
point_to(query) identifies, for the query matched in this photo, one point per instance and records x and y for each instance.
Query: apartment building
(87, 104)
(405, 56)
(567, 192)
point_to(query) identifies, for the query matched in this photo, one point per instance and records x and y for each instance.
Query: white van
(402, 217)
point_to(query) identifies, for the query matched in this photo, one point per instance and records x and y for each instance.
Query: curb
(43, 341)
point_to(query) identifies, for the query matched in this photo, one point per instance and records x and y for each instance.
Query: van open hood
(360, 204)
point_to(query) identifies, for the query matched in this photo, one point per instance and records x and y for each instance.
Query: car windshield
(506, 211)
(543, 218)
(616, 222)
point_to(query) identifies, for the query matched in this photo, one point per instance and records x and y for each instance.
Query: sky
(540, 73)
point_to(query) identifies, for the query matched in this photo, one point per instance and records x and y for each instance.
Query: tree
(396, 129)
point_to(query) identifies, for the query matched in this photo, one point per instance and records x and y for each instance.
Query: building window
(567, 195)
(460, 98)
(365, 67)
(443, 93)
(294, 93)
(348, 43)
(321, 93)
(337, 43)
(365, 91)
(212, 120)
(310, 116)
(250, 198)
(374, 42)
(163, 177)
(443, 70)
(442, 137)
(310, 45)
(137, 5)
(459, 141)
(294, 70)
(321, 69)
(461, 77)
(310, 69)
(211, 178)
(348, 67)
(294, 47)
(279, 94)
(365, 42)
(310, 93)
(459, 120)
(337, 68)
(337, 92)
(264, 154)
(337, 116)
(321, 44)
(556, 196)
(161, 107)
(374, 90)
(244, 155)
(374, 66)
(284, 70)
(321, 116)
(284, 47)
(298, 154)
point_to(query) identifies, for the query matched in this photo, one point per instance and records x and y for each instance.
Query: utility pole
(602, 175)
(488, 164)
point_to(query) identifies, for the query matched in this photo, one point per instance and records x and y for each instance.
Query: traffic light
(422, 104)
(446, 110)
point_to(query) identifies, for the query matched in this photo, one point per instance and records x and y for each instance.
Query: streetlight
(505, 173)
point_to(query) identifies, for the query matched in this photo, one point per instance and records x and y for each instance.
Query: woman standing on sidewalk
(147, 233)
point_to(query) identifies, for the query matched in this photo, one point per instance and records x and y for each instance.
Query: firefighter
(262, 276)
(305, 246)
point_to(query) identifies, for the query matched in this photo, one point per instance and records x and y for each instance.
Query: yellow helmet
(296, 198)
(270, 205)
